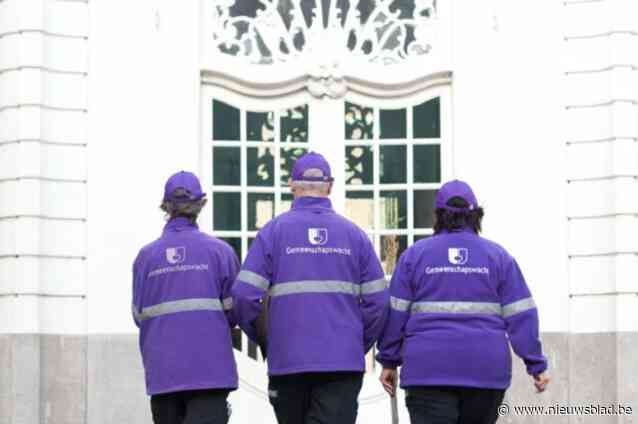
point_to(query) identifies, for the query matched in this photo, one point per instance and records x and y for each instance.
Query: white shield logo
(175, 255)
(317, 236)
(457, 255)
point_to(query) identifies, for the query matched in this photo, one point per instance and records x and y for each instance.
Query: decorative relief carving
(324, 32)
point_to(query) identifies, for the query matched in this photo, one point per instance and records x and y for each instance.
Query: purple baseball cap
(312, 167)
(184, 180)
(455, 188)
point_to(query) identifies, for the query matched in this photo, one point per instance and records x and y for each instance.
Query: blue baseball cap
(312, 167)
(186, 181)
(456, 188)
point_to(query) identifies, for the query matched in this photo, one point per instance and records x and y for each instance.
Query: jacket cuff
(389, 364)
(537, 368)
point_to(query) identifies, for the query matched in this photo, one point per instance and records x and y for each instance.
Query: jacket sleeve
(230, 269)
(521, 318)
(136, 304)
(401, 297)
(374, 294)
(252, 284)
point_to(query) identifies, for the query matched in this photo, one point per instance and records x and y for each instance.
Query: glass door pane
(392, 171)
(252, 154)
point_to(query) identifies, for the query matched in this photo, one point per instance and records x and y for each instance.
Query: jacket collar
(180, 224)
(465, 229)
(312, 202)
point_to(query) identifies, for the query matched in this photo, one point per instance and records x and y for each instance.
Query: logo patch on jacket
(317, 236)
(175, 255)
(457, 255)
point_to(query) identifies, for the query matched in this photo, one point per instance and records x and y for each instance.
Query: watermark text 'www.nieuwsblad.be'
(557, 409)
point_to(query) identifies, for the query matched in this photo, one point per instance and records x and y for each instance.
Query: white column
(43, 178)
(602, 153)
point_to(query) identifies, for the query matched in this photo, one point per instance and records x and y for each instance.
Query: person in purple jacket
(183, 307)
(328, 299)
(457, 303)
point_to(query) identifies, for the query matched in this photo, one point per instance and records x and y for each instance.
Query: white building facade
(534, 103)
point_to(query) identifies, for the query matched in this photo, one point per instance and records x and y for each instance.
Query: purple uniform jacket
(328, 294)
(457, 302)
(182, 305)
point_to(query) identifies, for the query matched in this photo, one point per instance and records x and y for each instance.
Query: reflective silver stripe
(457, 307)
(518, 306)
(400, 305)
(312, 286)
(136, 315)
(183, 305)
(227, 303)
(374, 286)
(253, 279)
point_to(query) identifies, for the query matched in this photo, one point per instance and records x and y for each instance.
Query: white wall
(144, 126)
(508, 136)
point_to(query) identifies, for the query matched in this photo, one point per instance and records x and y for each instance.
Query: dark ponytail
(448, 220)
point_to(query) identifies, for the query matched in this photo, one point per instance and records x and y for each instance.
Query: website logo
(317, 236)
(457, 255)
(175, 255)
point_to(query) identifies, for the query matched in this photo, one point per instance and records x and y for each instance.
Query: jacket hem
(418, 382)
(315, 368)
(186, 387)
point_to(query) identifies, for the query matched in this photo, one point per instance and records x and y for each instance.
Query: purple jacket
(182, 305)
(328, 294)
(457, 302)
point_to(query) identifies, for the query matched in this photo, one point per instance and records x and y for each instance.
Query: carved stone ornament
(324, 35)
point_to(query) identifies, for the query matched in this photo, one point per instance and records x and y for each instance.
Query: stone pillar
(43, 186)
(601, 135)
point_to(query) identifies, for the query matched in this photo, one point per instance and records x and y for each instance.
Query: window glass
(250, 159)
(226, 166)
(259, 126)
(360, 208)
(359, 122)
(392, 246)
(294, 124)
(359, 165)
(393, 209)
(225, 122)
(260, 168)
(393, 123)
(399, 166)
(424, 208)
(261, 208)
(392, 164)
(225, 207)
(427, 163)
(426, 122)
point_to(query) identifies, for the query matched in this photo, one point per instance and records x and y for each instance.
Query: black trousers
(453, 405)
(191, 407)
(316, 398)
